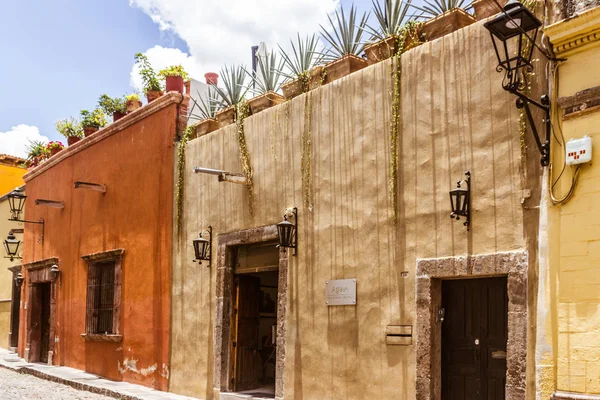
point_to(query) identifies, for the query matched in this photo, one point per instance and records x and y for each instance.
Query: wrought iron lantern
(12, 246)
(460, 200)
(202, 246)
(16, 201)
(514, 32)
(54, 272)
(19, 279)
(287, 231)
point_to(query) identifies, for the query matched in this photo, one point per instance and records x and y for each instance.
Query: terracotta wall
(135, 162)
(455, 117)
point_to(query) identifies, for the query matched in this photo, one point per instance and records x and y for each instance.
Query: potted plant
(302, 70)
(266, 83)
(71, 129)
(114, 106)
(132, 102)
(174, 77)
(447, 17)
(152, 86)
(37, 153)
(54, 147)
(487, 8)
(390, 33)
(232, 94)
(345, 44)
(92, 121)
(207, 107)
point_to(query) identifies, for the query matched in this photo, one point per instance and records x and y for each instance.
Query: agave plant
(36, 152)
(390, 17)
(346, 34)
(303, 58)
(268, 75)
(433, 8)
(233, 78)
(207, 106)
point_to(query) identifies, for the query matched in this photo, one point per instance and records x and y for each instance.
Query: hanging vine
(181, 175)
(306, 152)
(242, 111)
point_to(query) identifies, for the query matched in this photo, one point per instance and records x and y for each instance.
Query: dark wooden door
(474, 335)
(45, 321)
(247, 356)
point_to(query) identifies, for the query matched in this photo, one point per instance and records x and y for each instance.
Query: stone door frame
(39, 272)
(430, 273)
(224, 305)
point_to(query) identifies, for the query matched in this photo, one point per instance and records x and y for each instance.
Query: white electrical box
(579, 151)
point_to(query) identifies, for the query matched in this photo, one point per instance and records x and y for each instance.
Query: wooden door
(45, 321)
(474, 335)
(247, 358)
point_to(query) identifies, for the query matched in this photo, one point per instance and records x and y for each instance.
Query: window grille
(101, 298)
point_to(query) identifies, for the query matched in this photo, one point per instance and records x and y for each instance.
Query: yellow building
(11, 172)
(571, 339)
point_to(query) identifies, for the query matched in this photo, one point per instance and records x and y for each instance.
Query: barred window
(103, 295)
(101, 298)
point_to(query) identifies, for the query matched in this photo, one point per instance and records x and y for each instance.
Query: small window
(101, 298)
(103, 295)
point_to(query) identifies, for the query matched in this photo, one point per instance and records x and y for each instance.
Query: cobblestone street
(14, 385)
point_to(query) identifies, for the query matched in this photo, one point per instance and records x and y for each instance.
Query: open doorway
(255, 319)
(40, 322)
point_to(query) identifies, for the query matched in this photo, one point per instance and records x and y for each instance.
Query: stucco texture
(135, 214)
(455, 116)
(10, 178)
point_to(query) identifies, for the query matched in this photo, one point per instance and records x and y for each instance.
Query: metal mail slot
(499, 354)
(400, 335)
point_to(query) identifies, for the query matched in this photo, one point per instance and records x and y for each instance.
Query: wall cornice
(112, 129)
(572, 35)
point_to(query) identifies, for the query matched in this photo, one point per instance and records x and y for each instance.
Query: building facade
(96, 295)
(257, 320)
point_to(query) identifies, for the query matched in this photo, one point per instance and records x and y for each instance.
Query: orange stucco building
(11, 172)
(97, 291)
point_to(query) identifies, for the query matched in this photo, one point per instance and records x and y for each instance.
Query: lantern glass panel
(11, 245)
(201, 246)
(285, 230)
(458, 199)
(16, 201)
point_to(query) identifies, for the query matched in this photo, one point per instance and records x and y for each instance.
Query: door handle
(476, 342)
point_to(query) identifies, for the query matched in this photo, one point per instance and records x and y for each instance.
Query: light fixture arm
(524, 101)
(40, 222)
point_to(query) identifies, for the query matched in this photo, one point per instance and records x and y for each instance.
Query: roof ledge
(572, 35)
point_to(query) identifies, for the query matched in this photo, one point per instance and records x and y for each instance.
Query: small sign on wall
(340, 292)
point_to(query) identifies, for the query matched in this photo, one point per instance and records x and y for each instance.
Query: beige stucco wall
(455, 117)
(5, 275)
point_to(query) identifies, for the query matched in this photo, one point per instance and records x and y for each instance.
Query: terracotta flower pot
(486, 8)
(152, 95)
(117, 115)
(54, 151)
(446, 23)
(174, 84)
(291, 89)
(206, 126)
(344, 66)
(226, 116)
(89, 130)
(381, 50)
(318, 77)
(133, 105)
(71, 140)
(265, 101)
(212, 78)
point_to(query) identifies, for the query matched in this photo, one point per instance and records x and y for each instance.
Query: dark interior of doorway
(40, 319)
(257, 327)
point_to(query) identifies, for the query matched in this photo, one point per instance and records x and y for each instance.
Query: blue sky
(60, 56)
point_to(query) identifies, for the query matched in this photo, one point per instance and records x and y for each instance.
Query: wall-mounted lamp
(517, 26)
(12, 245)
(460, 200)
(203, 247)
(54, 272)
(16, 201)
(19, 279)
(288, 232)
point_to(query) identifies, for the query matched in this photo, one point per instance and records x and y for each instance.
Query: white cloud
(223, 32)
(15, 141)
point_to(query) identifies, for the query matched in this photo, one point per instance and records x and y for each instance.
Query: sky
(58, 57)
